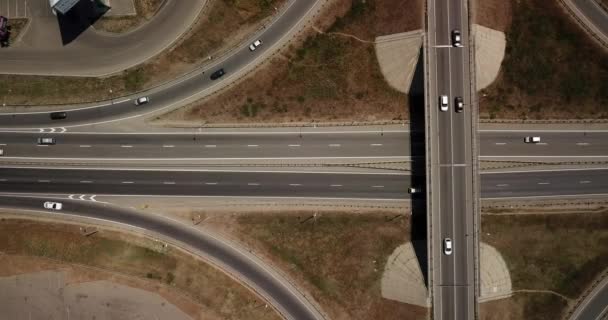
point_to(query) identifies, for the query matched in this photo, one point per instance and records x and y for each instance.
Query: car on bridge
(447, 246)
(459, 104)
(443, 103)
(456, 38)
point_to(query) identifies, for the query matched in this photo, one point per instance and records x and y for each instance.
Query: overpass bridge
(451, 163)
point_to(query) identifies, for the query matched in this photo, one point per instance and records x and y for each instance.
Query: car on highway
(58, 115)
(447, 246)
(443, 103)
(217, 74)
(255, 45)
(46, 141)
(53, 205)
(413, 190)
(141, 100)
(532, 139)
(459, 102)
(456, 38)
(1, 152)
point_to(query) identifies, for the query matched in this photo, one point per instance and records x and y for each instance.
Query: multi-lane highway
(495, 144)
(285, 184)
(283, 296)
(451, 161)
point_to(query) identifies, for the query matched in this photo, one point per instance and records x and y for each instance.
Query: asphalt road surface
(384, 186)
(595, 306)
(177, 91)
(451, 162)
(494, 144)
(41, 51)
(277, 290)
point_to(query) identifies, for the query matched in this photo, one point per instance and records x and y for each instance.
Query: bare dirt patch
(222, 25)
(338, 257)
(146, 9)
(551, 70)
(494, 14)
(332, 76)
(551, 258)
(133, 256)
(16, 27)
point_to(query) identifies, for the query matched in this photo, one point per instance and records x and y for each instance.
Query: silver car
(447, 246)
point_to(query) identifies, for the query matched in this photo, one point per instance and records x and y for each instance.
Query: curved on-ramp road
(281, 294)
(179, 92)
(94, 53)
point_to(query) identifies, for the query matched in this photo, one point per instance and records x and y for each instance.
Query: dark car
(459, 104)
(217, 74)
(59, 115)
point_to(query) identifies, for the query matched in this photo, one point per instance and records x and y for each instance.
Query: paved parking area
(14, 8)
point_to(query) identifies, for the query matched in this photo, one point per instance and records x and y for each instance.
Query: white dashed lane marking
(126, 146)
(210, 146)
(584, 181)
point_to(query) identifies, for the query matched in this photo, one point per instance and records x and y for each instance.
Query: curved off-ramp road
(94, 53)
(278, 291)
(179, 92)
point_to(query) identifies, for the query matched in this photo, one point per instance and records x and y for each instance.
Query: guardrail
(476, 194)
(601, 278)
(567, 5)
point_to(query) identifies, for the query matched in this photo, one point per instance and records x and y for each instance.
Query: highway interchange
(20, 131)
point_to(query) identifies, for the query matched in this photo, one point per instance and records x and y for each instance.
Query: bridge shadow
(83, 15)
(417, 106)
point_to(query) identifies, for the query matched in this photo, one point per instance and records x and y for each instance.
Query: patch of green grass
(551, 61)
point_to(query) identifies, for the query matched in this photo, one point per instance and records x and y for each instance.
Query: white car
(1, 152)
(443, 103)
(413, 190)
(447, 246)
(254, 45)
(456, 39)
(53, 205)
(141, 100)
(532, 139)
